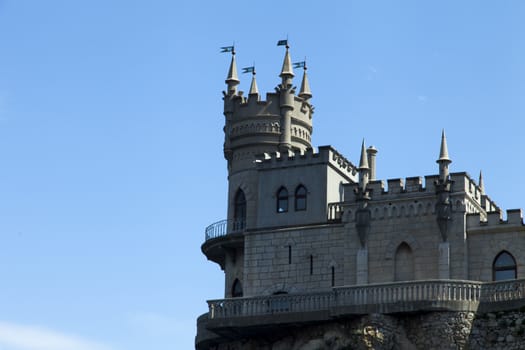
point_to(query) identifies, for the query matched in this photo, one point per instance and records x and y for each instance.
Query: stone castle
(319, 254)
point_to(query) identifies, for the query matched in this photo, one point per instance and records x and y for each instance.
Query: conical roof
(287, 69)
(481, 183)
(305, 87)
(254, 90)
(232, 72)
(363, 162)
(443, 152)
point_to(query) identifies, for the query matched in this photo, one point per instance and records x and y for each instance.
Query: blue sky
(111, 139)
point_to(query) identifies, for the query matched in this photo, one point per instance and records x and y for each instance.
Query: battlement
(325, 155)
(411, 187)
(495, 220)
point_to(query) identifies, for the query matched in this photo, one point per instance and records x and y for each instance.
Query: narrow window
(289, 254)
(239, 211)
(504, 267)
(282, 200)
(236, 289)
(300, 198)
(333, 276)
(311, 264)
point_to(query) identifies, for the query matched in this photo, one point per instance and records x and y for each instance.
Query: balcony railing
(223, 227)
(405, 295)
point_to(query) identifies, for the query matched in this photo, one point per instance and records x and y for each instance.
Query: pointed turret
(305, 86)
(481, 184)
(363, 161)
(232, 79)
(254, 90)
(443, 160)
(364, 169)
(287, 70)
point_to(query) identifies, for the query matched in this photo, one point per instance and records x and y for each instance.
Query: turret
(305, 92)
(364, 169)
(286, 102)
(443, 160)
(254, 90)
(232, 80)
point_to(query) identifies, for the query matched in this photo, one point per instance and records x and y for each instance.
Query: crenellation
(414, 184)
(395, 186)
(515, 216)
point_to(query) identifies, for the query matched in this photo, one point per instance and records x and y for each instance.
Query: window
(300, 198)
(237, 289)
(282, 200)
(333, 276)
(504, 267)
(239, 211)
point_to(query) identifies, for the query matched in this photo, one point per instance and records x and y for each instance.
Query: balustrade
(375, 294)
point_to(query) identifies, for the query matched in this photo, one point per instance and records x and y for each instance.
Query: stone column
(444, 260)
(362, 266)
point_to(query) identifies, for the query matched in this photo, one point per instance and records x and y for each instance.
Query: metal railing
(405, 293)
(223, 227)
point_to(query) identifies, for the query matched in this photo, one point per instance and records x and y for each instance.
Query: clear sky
(111, 139)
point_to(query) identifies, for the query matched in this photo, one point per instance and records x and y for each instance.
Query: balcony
(411, 296)
(221, 237)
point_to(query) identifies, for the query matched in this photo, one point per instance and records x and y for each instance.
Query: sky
(111, 139)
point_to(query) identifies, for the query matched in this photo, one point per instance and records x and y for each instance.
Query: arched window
(239, 211)
(236, 289)
(300, 198)
(282, 200)
(504, 267)
(404, 263)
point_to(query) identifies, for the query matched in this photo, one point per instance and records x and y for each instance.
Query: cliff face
(432, 330)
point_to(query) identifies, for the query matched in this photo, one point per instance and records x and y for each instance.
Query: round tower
(280, 124)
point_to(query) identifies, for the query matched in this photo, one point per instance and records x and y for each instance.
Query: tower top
(443, 152)
(287, 69)
(363, 161)
(305, 85)
(232, 79)
(481, 183)
(254, 90)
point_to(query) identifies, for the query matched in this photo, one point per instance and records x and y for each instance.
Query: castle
(314, 246)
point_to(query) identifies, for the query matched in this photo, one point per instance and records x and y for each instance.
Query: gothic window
(504, 267)
(236, 289)
(282, 200)
(404, 263)
(300, 198)
(239, 211)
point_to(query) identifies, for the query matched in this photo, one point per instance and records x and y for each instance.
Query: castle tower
(280, 124)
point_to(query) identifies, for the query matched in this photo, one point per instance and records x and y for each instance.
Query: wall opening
(404, 263)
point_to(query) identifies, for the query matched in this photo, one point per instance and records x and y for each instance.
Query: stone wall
(432, 330)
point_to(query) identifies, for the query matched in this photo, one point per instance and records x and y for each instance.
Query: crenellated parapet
(416, 196)
(493, 222)
(326, 155)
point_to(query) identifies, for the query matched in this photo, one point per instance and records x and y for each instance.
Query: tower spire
(481, 183)
(305, 85)
(232, 80)
(364, 169)
(444, 159)
(254, 90)
(287, 69)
